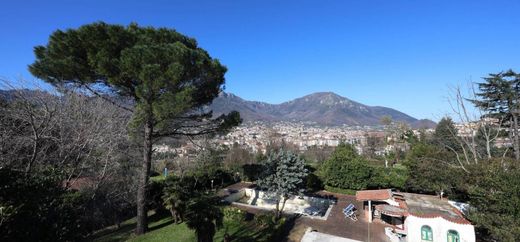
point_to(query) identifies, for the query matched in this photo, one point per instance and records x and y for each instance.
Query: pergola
(383, 195)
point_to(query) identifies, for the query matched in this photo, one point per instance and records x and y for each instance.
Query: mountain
(325, 108)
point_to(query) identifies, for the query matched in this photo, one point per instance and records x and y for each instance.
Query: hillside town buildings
(258, 136)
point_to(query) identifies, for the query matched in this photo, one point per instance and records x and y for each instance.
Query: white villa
(416, 217)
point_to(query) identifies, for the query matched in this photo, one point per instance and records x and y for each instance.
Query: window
(453, 236)
(426, 233)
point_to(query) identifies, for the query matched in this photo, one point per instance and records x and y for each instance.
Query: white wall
(235, 196)
(439, 227)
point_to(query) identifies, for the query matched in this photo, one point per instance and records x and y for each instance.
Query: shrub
(265, 219)
(313, 183)
(346, 169)
(208, 173)
(277, 230)
(251, 172)
(383, 177)
(233, 214)
(38, 208)
(155, 192)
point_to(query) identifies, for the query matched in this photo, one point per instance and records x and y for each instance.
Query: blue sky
(399, 54)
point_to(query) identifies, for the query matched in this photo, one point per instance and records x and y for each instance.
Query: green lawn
(162, 229)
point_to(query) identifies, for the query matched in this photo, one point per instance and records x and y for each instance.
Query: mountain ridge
(324, 108)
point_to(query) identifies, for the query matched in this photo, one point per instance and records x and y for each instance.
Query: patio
(336, 224)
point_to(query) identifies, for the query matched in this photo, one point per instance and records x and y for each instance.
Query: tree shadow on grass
(114, 234)
(244, 233)
(159, 226)
(289, 225)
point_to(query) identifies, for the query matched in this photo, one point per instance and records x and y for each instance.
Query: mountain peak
(330, 95)
(325, 108)
(329, 99)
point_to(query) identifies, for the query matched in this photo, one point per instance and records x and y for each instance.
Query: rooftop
(420, 205)
(374, 195)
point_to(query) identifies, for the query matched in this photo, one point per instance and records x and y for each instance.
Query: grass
(157, 178)
(163, 229)
(340, 190)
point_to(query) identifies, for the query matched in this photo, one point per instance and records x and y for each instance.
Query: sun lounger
(349, 212)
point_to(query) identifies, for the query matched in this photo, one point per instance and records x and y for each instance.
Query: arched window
(453, 236)
(426, 233)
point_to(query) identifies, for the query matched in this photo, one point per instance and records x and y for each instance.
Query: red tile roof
(373, 195)
(460, 220)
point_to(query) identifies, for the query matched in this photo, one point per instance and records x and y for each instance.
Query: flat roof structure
(374, 195)
(428, 206)
(406, 204)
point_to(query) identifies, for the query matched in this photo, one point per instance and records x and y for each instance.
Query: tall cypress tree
(168, 78)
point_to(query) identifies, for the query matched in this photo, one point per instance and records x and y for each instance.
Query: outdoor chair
(349, 212)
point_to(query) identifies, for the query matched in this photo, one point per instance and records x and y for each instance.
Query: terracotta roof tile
(373, 195)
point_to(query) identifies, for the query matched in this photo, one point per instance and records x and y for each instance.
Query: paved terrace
(336, 224)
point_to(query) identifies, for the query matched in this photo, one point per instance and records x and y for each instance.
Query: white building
(416, 217)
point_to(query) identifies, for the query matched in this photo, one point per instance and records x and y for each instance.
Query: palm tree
(176, 194)
(173, 201)
(204, 216)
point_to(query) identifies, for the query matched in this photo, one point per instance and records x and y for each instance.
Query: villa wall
(439, 228)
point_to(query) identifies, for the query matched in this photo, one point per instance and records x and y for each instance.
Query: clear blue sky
(400, 54)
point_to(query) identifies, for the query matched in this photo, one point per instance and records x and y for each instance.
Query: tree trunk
(515, 137)
(142, 210)
(283, 206)
(34, 151)
(487, 133)
(277, 210)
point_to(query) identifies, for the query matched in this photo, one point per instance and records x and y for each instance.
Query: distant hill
(325, 108)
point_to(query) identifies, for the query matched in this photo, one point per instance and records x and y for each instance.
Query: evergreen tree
(499, 97)
(494, 197)
(283, 177)
(445, 135)
(164, 74)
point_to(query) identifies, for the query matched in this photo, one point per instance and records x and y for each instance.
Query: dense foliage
(283, 177)
(191, 197)
(204, 216)
(38, 208)
(346, 169)
(495, 201)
